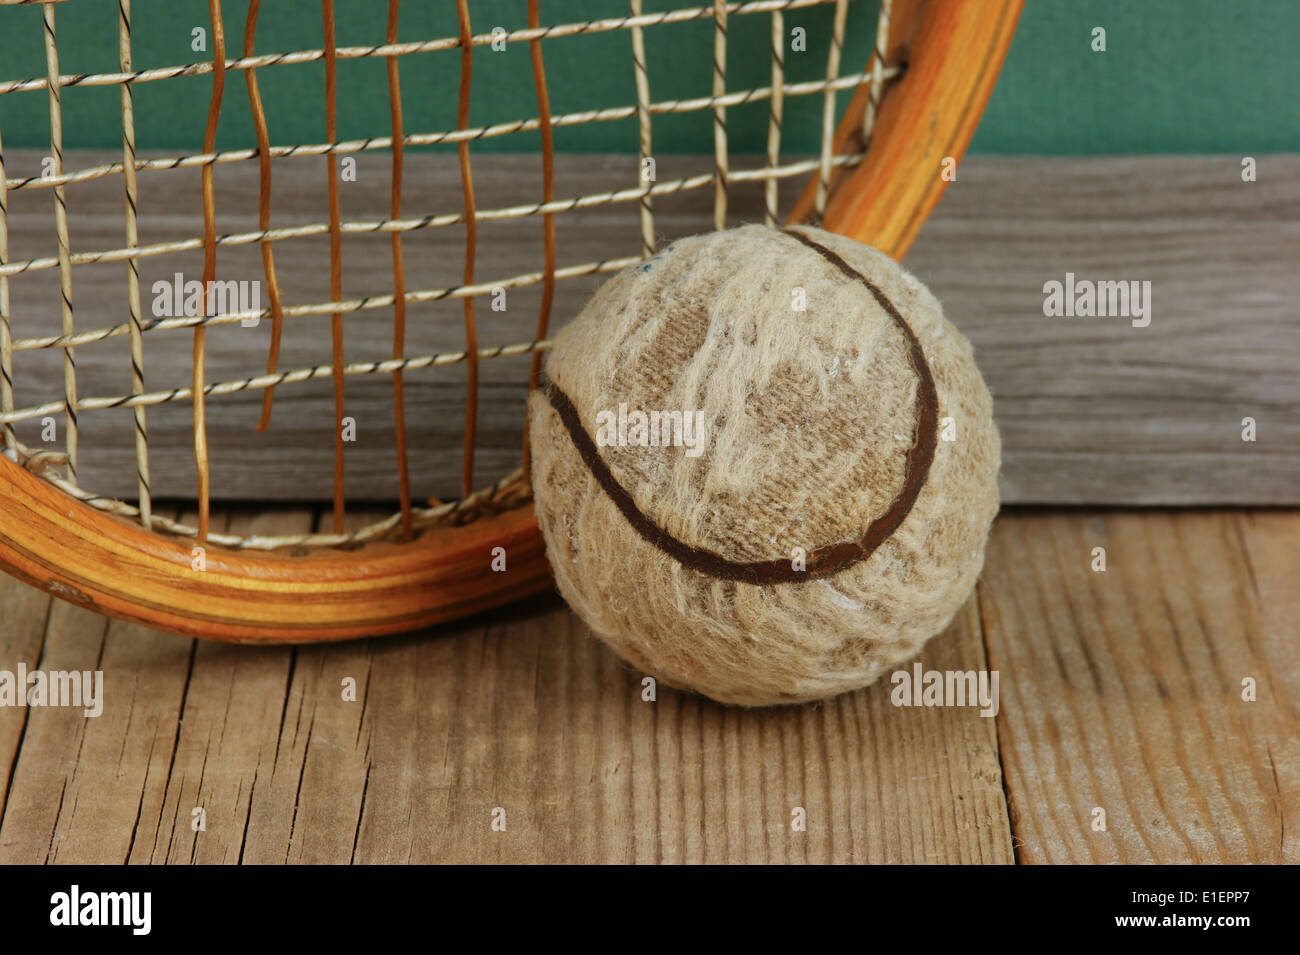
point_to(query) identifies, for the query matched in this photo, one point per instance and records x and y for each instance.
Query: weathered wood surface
(1119, 690)
(1123, 690)
(1091, 410)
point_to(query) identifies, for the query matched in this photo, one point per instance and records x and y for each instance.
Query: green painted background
(1178, 76)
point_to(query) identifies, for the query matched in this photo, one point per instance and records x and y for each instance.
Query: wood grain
(1270, 543)
(520, 710)
(1122, 690)
(536, 718)
(80, 787)
(1119, 690)
(22, 633)
(1092, 411)
(227, 742)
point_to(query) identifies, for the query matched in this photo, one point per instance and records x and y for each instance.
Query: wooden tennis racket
(876, 178)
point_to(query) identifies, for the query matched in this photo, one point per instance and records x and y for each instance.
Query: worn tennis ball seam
(826, 560)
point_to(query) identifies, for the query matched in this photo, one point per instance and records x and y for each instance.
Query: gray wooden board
(1092, 410)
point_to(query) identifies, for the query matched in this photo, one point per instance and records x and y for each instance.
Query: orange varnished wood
(117, 568)
(954, 50)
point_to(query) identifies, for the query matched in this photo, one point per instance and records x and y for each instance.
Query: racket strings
(198, 394)
(264, 154)
(471, 246)
(399, 275)
(548, 196)
(336, 258)
(720, 158)
(133, 265)
(513, 489)
(644, 136)
(61, 231)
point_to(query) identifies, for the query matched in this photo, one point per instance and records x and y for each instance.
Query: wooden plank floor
(1120, 691)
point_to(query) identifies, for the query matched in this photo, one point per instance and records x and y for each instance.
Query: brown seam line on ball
(822, 561)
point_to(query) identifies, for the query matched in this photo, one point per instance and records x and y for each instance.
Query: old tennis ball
(765, 465)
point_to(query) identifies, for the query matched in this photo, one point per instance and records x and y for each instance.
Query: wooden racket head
(953, 51)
